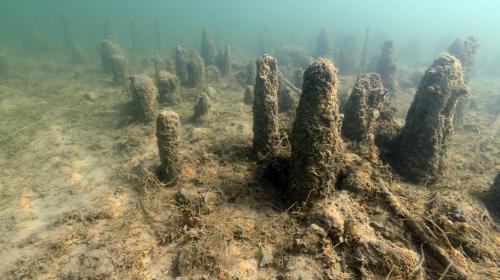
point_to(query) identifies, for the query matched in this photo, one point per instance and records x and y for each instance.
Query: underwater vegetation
(155, 147)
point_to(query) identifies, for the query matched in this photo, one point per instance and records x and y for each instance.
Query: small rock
(90, 96)
(211, 92)
(265, 256)
(200, 200)
(329, 219)
(313, 240)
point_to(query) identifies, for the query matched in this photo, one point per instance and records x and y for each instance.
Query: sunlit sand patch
(25, 201)
(244, 267)
(97, 176)
(56, 134)
(114, 206)
(75, 175)
(55, 161)
(15, 103)
(187, 170)
(29, 220)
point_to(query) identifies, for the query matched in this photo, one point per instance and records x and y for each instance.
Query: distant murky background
(427, 25)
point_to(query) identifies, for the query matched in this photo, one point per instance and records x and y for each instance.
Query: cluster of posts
(146, 92)
(317, 147)
(318, 152)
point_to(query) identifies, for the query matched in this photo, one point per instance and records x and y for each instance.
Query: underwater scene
(231, 139)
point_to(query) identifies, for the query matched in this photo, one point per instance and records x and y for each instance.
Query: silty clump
(108, 50)
(202, 107)
(168, 127)
(181, 65)
(248, 95)
(317, 148)
(421, 147)
(223, 61)
(167, 84)
(348, 57)
(387, 67)
(120, 69)
(208, 49)
(196, 70)
(368, 94)
(323, 45)
(144, 94)
(266, 135)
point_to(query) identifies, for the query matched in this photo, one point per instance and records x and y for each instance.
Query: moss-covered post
(265, 107)
(168, 135)
(421, 147)
(317, 147)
